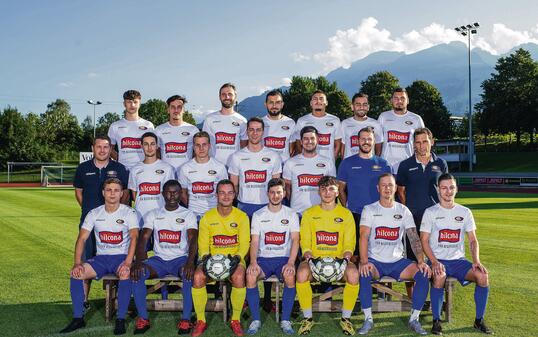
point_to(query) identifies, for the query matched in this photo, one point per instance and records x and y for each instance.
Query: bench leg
(449, 290)
(277, 300)
(109, 299)
(225, 300)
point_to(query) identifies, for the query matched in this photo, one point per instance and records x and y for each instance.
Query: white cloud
(66, 84)
(504, 38)
(299, 57)
(285, 81)
(92, 75)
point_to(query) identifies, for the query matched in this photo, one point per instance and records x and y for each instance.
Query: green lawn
(39, 227)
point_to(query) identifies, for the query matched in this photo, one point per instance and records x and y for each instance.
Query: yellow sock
(199, 300)
(304, 294)
(238, 299)
(350, 296)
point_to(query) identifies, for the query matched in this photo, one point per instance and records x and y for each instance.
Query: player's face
(386, 187)
(226, 195)
(171, 195)
(399, 101)
(255, 132)
(448, 190)
(101, 150)
(149, 144)
(112, 193)
(276, 194)
(328, 194)
(360, 106)
(227, 97)
(366, 140)
(274, 105)
(318, 102)
(175, 110)
(131, 105)
(309, 142)
(423, 145)
(201, 147)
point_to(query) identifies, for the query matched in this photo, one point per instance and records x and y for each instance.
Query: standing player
(398, 125)
(126, 132)
(175, 136)
(327, 230)
(116, 231)
(381, 252)
(223, 230)
(328, 126)
(199, 176)
(278, 128)
(352, 125)
(274, 244)
(175, 236)
(226, 127)
(252, 167)
(303, 172)
(443, 239)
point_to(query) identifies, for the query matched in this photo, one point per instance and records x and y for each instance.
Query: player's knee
(252, 280)
(199, 280)
(289, 281)
(238, 278)
(438, 281)
(303, 272)
(352, 275)
(482, 279)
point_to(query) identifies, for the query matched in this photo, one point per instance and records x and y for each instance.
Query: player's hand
(307, 256)
(234, 262)
(77, 271)
(188, 271)
(124, 270)
(204, 263)
(479, 266)
(366, 269)
(137, 270)
(438, 268)
(424, 269)
(288, 269)
(253, 268)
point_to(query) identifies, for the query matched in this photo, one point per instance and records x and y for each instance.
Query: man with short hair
(116, 231)
(274, 244)
(226, 127)
(126, 132)
(352, 125)
(443, 240)
(222, 230)
(328, 126)
(278, 128)
(175, 136)
(381, 252)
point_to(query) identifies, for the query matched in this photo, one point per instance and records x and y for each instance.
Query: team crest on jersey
(338, 220)
(436, 168)
(169, 236)
(327, 238)
(159, 171)
(142, 127)
(112, 173)
(149, 189)
(275, 142)
(224, 240)
(284, 221)
(225, 138)
(174, 147)
(254, 176)
(275, 238)
(185, 133)
(180, 220)
(266, 159)
(285, 127)
(354, 140)
(235, 123)
(329, 124)
(324, 139)
(387, 233)
(376, 168)
(449, 235)
(320, 165)
(408, 122)
(233, 225)
(120, 221)
(112, 238)
(309, 179)
(397, 216)
(458, 218)
(202, 187)
(211, 172)
(131, 143)
(394, 136)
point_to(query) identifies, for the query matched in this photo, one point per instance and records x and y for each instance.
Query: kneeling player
(442, 237)
(223, 230)
(116, 231)
(273, 249)
(327, 230)
(175, 233)
(381, 252)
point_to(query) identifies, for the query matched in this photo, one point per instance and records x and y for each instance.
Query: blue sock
(480, 300)
(139, 293)
(187, 299)
(436, 296)
(365, 291)
(77, 297)
(124, 296)
(420, 290)
(288, 297)
(253, 299)
(164, 292)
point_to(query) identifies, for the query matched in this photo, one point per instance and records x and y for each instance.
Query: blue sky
(79, 50)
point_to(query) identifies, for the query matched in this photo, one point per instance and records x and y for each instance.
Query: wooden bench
(276, 282)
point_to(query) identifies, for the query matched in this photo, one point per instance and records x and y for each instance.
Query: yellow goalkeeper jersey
(224, 235)
(328, 233)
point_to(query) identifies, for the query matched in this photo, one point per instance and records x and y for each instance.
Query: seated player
(116, 231)
(175, 232)
(327, 230)
(381, 252)
(274, 244)
(222, 230)
(442, 235)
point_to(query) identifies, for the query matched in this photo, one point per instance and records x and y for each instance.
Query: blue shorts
(272, 266)
(457, 268)
(163, 267)
(106, 264)
(249, 208)
(392, 269)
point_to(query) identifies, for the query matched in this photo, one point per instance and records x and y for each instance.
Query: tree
(104, 122)
(87, 134)
(426, 101)
(59, 128)
(155, 111)
(187, 117)
(379, 88)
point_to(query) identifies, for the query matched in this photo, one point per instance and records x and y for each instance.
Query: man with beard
(226, 127)
(278, 128)
(352, 125)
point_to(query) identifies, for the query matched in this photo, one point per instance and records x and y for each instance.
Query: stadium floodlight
(94, 103)
(467, 31)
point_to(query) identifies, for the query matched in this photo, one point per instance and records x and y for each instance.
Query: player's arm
(365, 268)
(243, 143)
(141, 254)
(292, 149)
(125, 197)
(416, 246)
(350, 237)
(125, 267)
(287, 186)
(244, 237)
(254, 245)
(77, 271)
(113, 153)
(298, 147)
(235, 180)
(184, 197)
(437, 267)
(342, 195)
(78, 195)
(377, 149)
(475, 252)
(188, 269)
(133, 195)
(306, 238)
(337, 146)
(401, 194)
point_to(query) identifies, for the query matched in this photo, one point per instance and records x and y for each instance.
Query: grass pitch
(39, 227)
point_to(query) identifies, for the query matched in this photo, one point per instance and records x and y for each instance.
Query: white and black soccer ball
(328, 269)
(218, 267)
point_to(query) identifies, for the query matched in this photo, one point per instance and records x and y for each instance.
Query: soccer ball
(218, 267)
(328, 269)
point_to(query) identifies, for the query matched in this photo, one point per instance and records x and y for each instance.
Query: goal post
(57, 176)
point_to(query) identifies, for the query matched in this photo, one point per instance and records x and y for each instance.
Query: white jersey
(201, 182)
(126, 134)
(169, 228)
(447, 228)
(278, 134)
(176, 142)
(111, 229)
(387, 229)
(274, 230)
(304, 174)
(350, 133)
(147, 181)
(398, 133)
(225, 133)
(328, 128)
(254, 170)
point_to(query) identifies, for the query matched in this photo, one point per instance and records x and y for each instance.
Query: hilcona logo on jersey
(326, 238)
(309, 179)
(354, 141)
(169, 236)
(387, 233)
(275, 238)
(131, 143)
(449, 235)
(224, 240)
(202, 187)
(253, 176)
(112, 238)
(225, 138)
(173, 147)
(149, 189)
(324, 139)
(398, 137)
(275, 142)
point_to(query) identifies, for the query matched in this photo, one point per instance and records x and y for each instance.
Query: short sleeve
(426, 224)
(470, 225)
(191, 221)
(112, 134)
(77, 182)
(88, 222)
(408, 219)
(331, 169)
(294, 222)
(254, 227)
(401, 176)
(243, 131)
(338, 130)
(277, 167)
(366, 217)
(342, 171)
(123, 175)
(286, 172)
(182, 177)
(149, 220)
(233, 167)
(378, 133)
(132, 180)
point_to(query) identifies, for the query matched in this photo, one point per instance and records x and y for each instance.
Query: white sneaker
(286, 327)
(254, 327)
